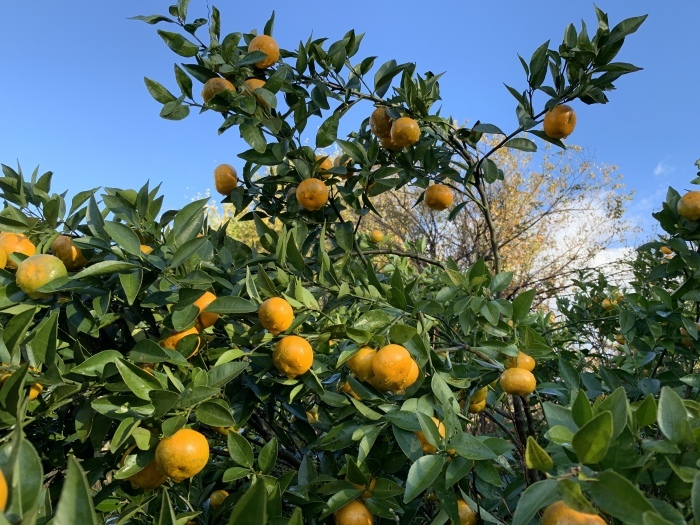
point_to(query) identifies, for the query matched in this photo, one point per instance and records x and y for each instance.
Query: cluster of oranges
(393, 134)
(518, 379)
(391, 368)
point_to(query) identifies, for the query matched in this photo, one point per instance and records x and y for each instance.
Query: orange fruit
(360, 364)
(312, 194)
(466, 515)
(146, 250)
(225, 178)
(38, 270)
(172, 340)
(619, 339)
(479, 395)
(666, 250)
(438, 197)
(325, 165)
(148, 478)
(348, 390)
(16, 243)
(411, 377)
(404, 132)
(275, 315)
(4, 492)
(354, 513)
(475, 408)
(518, 382)
(69, 253)
(560, 513)
(3, 258)
(390, 366)
(367, 491)
(427, 447)
(687, 342)
(688, 206)
(293, 356)
(607, 304)
(559, 122)
(217, 498)
(205, 319)
(215, 85)
(337, 162)
(254, 83)
(267, 45)
(380, 122)
(182, 455)
(387, 142)
(376, 236)
(522, 361)
(34, 391)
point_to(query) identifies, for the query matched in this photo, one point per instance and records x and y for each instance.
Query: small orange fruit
(560, 513)
(354, 513)
(348, 390)
(34, 390)
(15, 243)
(275, 315)
(466, 515)
(146, 250)
(293, 356)
(688, 206)
(148, 478)
(225, 178)
(427, 447)
(215, 85)
(475, 408)
(405, 132)
(607, 304)
(182, 455)
(267, 45)
(619, 339)
(518, 382)
(254, 83)
(217, 498)
(438, 197)
(4, 492)
(380, 122)
(390, 366)
(38, 270)
(205, 319)
(326, 164)
(312, 194)
(387, 142)
(479, 395)
(376, 236)
(559, 122)
(666, 250)
(69, 253)
(172, 340)
(522, 361)
(360, 364)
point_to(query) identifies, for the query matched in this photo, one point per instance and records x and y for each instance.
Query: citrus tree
(156, 370)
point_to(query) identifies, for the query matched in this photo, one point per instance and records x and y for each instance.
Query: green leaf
(617, 496)
(16, 329)
(521, 144)
(646, 412)
(105, 268)
(592, 441)
(75, 504)
(268, 456)
(214, 414)
(94, 366)
(652, 518)
(24, 474)
(569, 374)
(536, 457)
(131, 283)
(536, 496)
(124, 237)
(488, 128)
(179, 43)
(139, 381)
(624, 28)
(251, 509)
(186, 251)
(167, 513)
(581, 409)
(240, 450)
(232, 305)
(328, 131)
(673, 417)
(695, 495)
(158, 91)
(421, 475)
(184, 81)
(344, 236)
(152, 19)
(522, 304)
(253, 135)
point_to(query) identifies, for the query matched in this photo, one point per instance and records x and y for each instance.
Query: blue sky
(73, 99)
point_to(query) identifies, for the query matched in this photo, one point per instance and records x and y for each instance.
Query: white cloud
(663, 169)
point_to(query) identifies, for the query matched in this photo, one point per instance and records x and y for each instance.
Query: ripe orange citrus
(293, 356)
(182, 455)
(666, 250)
(69, 253)
(361, 363)
(688, 206)
(367, 491)
(225, 178)
(267, 45)
(387, 142)
(479, 395)
(205, 319)
(475, 408)
(146, 250)
(326, 164)
(275, 315)
(3, 258)
(391, 365)
(559, 122)
(560, 513)
(427, 447)
(254, 83)
(348, 390)
(354, 513)
(466, 514)
(376, 236)
(411, 377)
(4, 492)
(607, 304)
(312, 194)
(518, 382)
(337, 162)
(215, 85)
(15, 243)
(38, 270)
(438, 197)
(148, 478)
(522, 361)
(217, 498)
(380, 122)
(172, 340)
(34, 390)
(405, 131)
